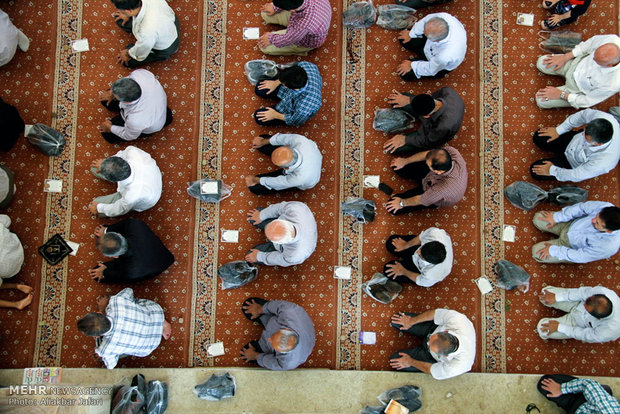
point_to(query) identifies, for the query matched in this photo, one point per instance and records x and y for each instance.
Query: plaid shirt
(307, 26)
(597, 399)
(447, 189)
(298, 106)
(137, 326)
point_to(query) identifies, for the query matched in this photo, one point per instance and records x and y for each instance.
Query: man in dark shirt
(440, 113)
(11, 124)
(137, 253)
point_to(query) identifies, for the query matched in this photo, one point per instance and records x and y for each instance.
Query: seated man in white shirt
(11, 262)
(141, 103)
(291, 230)
(586, 232)
(592, 314)
(580, 155)
(10, 39)
(155, 27)
(448, 348)
(424, 260)
(440, 42)
(591, 70)
(299, 160)
(138, 181)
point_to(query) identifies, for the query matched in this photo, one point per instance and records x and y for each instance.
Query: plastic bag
(566, 195)
(47, 139)
(511, 276)
(127, 400)
(392, 120)
(524, 195)
(204, 190)
(236, 274)
(382, 289)
(558, 42)
(395, 17)
(407, 395)
(217, 387)
(260, 69)
(373, 410)
(157, 397)
(360, 15)
(363, 210)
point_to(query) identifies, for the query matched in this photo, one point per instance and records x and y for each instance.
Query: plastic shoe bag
(392, 120)
(259, 70)
(157, 397)
(363, 210)
(236, 274)
(524, 195)
(217, 387)
(407, 395)
(373, 410)
(510, 276)
(47, 139)
(395, 17)
(566, 195)
(382, 289)
(127, 400)
(360, 15)
(558, 42)
(211, 191)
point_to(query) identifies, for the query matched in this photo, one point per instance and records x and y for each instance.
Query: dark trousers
(420, 353)
(262, 93)
(119, 121)
(415, 171)
(558, 147)
(569, 402)
(155, 55)
(260, 189)
(416, 45)
(404, 257)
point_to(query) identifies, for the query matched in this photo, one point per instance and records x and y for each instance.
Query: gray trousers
(567, 71)
(566, 319)
(560, 229)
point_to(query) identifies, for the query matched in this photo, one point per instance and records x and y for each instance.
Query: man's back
(143, 188)
(448, 188)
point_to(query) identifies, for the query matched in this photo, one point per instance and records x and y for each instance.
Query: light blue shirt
(587, 243)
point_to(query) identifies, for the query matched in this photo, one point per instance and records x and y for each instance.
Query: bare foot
(167, 333)
(24, 288)
(24, 302)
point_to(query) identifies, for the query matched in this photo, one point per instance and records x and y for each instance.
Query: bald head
(283, 341)
(436, 29)
(282, 156)
(607, 55)
(280, 231)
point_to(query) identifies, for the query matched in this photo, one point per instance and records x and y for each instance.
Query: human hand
(254, 217)
(121, 15)
(394, 143)
(123, 57)
(252, 256)
(251, 180)
(554, 19)
(395, 269)
(546, 297)
(555, 62)
(550, 132)
(543, 169)
(249, 354)
(393, 205)
(398, 163)
(269, 85)
(97, 273)
(548, 217)
(268, 114)
(106, 96)
(268, 9)
(254, 309)
(96, 164)
(404, 67)
(405, 321)
(106, 126)
(99, 230)
(404, 36)
(102, 302)
(258, 142)
(544, 252)
(399, 244)
(405, 361)
(555, 389)
(550, 327)
(92, 206)
(549, 92)
(263, 41)
(398, 100)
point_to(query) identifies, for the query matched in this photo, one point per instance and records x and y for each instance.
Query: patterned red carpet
(211, 135)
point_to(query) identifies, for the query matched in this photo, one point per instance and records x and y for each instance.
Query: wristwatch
(401, 203)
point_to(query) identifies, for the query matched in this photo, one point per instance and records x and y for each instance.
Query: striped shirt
(299, 105)
(137, 326)
(598, 401)
(447, 189)
(307, 26)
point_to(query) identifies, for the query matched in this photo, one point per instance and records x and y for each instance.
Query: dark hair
(126, 90)
(127, 4)
(423, 104)
(440, 159)
(601, 306)
(115, 169)
(288, 4)
(94, 324)
(449, 343)
(600, 130)
(294, 77)
(433, 252)
(112, 244)
(611, 217)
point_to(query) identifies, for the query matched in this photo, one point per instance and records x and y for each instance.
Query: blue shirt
(299, 105)
(587, 243)
(597, 399)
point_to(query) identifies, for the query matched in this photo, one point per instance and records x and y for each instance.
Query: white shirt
(446, 54)
(141, 190)
(153, 28)
(11, 250)
(594, 81)
(304, 243)
(460, 361)
(433, 273)
(147, 114)
(588, 328)
(305, 173)
(8, 39)
(588, 161)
